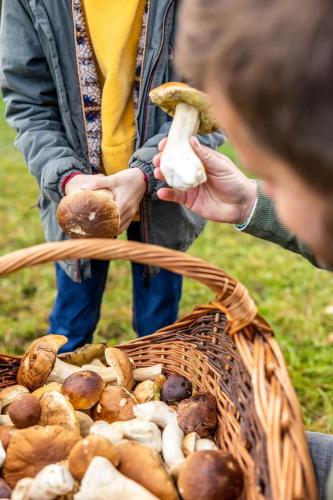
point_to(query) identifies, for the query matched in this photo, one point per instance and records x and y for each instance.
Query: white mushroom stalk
(157, 412)
(63, 370)
(51, 482)
(136, 430)
(2, 454)
(147, 373)
(192, 442)
(20, 492)
(172, 438)
(180, 166)
(103, 481)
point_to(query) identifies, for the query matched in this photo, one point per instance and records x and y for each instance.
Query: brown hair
(273, 59)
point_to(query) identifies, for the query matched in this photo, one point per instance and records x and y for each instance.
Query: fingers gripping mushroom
(156, 411)
(39, 360)
(89, 214)
(102, 481)
(180, 166)
(51, 482)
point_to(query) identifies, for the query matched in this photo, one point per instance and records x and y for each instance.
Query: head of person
(268, 68)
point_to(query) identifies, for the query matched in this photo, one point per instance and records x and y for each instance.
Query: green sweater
(264, 224)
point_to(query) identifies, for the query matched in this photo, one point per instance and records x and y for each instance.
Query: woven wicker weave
(225, 348)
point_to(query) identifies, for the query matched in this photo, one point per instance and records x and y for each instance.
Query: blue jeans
(77, 306)
(321, 451)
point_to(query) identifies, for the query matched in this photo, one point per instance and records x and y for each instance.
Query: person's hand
(128, 188)
(227, 195)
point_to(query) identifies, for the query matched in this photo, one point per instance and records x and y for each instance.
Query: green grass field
(291, 294)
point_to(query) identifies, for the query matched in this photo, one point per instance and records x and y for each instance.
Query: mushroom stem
(172, 438)
(61, 371)
(157, 412)
(180, 166)
(147, 373)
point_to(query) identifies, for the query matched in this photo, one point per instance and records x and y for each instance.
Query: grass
(291, 294)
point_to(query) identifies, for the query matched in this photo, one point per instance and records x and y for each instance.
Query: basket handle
(233, 299)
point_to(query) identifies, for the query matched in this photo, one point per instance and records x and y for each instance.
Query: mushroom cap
(175, 389)
(9, 394)
(198, 414)
(114, 405)
(83, 355)
(6, 432)
(85, 450)
(38, 361)
(169, 94)
(210, 475)
(89, 214)
(30, 449)
(5, 490)
(85, 422)
(57, 410)
(83, 389)
(121, 364)
(51, 386)
(144, 391)
(25, 411)
(145, 466)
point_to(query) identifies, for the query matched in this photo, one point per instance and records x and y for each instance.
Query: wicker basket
(225, 348)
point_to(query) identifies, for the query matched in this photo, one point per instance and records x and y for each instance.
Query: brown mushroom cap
(168, 95)
(115, 404)
(6, 432)
(84, 355)
(210, 475)
(38, 361)
(5, 490)
(83, 389)
(175, 389)
(89, 214)
(9, 394)
(57, 410)
(30, 449)
(52, 386)
(85, 423)
(85, 450)
(25, 411)
(121, 364)
(198, 414)
(145, 466)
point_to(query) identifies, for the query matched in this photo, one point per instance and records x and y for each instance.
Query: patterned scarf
(91, 93)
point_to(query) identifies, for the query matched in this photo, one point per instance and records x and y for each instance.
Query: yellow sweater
(114, 27)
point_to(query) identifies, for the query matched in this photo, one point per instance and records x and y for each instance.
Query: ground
(291, 294)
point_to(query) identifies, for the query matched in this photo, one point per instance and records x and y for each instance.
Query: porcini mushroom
(147, 372)
(156, 411)
(89, 214)
(85, 450)
(39, 360)
(136, 430)
(145, 466)
(6, 432)
(210, 474)
(57, 410)
(175, 389)
(2, 454)
(113, 405)
(52, 386)
(9, 394)
(172, 438)
(119, 361)
(180, 166)
(84, 355)
(51, 482)
(103, 481)
(30, 449)
(144, 391)
(83, 389)
(25, 411)
(192, 443)
(85, 422)
(198, 414)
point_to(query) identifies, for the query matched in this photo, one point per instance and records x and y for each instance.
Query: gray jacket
(40, 86)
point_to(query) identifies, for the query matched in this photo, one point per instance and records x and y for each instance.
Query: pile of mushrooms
(88, 425)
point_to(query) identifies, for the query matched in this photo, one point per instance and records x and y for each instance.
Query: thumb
(210, 159)
(95, 182)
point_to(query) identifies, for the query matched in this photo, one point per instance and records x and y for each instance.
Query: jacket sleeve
(143, 156)
(264, 224)
(31, 102)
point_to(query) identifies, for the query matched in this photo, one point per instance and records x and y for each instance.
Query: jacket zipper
(143, 219)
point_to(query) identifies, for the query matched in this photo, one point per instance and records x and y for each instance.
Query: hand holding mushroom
(181, 168)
